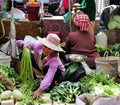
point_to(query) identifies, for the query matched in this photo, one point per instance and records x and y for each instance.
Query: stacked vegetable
(12, 87)
(65, 92)
(8, 81)
(27, 90)
(94, 83)
(8, 78)
(114, 22)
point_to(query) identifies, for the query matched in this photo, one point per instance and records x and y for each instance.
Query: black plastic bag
(74, 72)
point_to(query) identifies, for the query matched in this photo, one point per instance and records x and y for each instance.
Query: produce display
(113, 50)
(13, 86)
(94, 83)
(114, 22)
(8, 78)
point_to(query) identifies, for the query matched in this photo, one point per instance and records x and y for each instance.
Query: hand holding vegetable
(26, 46)
(37, 93)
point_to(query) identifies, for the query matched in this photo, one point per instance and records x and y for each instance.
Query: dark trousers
(52, 8)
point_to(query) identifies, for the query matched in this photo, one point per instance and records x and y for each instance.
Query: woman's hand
(26, 46)
(37, 93)
(58, 9)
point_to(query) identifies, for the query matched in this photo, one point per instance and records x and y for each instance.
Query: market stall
(56, 23)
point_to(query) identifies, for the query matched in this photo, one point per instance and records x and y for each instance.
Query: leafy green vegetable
(26, 72)
(94, 83)
(27, 90)
(114, 22)
(117, 18)
(10, 74)
(101, 49)
(115, 50)
(65, 92)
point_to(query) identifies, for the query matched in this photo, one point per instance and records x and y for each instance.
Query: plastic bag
(107, 101)
(74, 72)
(85, 99)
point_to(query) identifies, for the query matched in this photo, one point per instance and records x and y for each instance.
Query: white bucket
(5, 60)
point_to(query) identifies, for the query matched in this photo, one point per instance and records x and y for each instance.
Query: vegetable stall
(18, 87)
(66, 92)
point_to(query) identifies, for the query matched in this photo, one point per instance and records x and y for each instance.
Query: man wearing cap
(45, 59)
(82, 41)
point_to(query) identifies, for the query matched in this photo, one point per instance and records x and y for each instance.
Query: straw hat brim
(50, 45)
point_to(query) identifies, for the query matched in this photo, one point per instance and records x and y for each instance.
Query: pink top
(52, 62)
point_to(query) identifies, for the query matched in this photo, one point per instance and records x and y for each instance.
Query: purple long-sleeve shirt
(53, 62)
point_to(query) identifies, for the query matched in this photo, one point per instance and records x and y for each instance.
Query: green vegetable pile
(27, 90)
(65, 92)
(26, 72)
(10, 74)
(8, 78)
(115, 50)
(93, 83)
(101, 49)
(98, 83)
(114, 22)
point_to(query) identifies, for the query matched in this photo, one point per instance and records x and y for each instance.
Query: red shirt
(65, 4)
(82, 43)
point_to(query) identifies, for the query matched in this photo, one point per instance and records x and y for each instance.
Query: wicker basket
(107, 65)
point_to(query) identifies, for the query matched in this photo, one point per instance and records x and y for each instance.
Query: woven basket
(119, 65)
(107, 65)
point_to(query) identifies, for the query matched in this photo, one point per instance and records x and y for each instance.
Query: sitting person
(82, 41)
(45, 59)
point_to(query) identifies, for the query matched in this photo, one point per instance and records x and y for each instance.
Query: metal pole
(70, 25)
